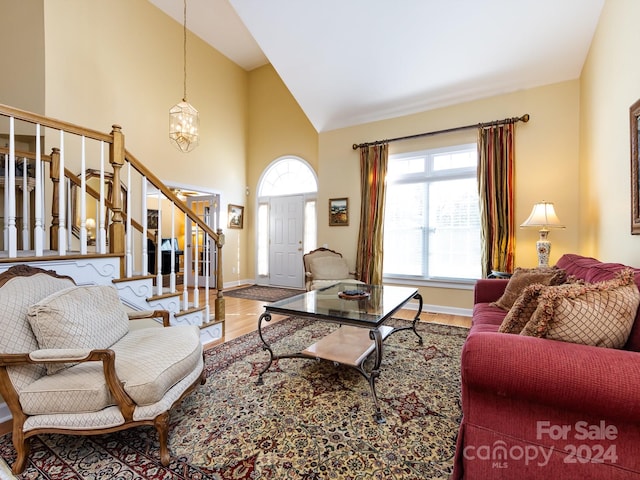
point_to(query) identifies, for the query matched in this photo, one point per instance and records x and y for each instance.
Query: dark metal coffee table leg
(418, 297)
(267, 318)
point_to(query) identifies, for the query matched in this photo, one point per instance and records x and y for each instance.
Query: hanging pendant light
(184, 120)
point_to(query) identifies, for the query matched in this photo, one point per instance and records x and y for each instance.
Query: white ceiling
(348, 62)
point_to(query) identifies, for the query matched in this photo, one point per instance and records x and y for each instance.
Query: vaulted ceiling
(348, 62)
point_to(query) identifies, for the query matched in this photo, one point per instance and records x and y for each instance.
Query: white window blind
(432, 221)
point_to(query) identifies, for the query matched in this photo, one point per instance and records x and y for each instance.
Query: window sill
(452, 283)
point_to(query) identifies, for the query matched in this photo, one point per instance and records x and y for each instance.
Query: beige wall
(610, 84)
(277, 127)
(546, 160)
(23, 47)
(121, 61)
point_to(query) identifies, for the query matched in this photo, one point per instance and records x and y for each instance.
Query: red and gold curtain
(496, 189)
(373, 170)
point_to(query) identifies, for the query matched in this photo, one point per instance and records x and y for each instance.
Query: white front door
(286, 228)
(200, 258)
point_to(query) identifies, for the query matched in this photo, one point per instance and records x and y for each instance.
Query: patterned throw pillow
(522, 278)
(522, 309)
(524, 306)
(599, 314)
(84, 317)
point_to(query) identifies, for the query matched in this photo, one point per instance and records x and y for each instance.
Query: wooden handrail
(53, 123)
(159, 184)
(29, 155)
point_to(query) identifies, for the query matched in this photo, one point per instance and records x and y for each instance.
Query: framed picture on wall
(152, 219)
(235, 215)
(634, 117)
(338, 212)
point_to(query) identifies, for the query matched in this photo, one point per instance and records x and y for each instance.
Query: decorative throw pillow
(86, 317)
(522, 278)
(599, 314)
(329, 268)
(522, 309)
(524, 306)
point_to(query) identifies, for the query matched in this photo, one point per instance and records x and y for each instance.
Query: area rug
(262, 292)
(310, 419)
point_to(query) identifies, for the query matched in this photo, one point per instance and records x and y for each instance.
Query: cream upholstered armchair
(324, 267)
(69, 363)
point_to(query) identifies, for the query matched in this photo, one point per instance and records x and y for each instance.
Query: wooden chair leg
(161, 423)
(22, 446)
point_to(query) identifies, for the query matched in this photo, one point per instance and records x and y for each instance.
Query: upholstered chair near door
(324, 267)
(70, 364)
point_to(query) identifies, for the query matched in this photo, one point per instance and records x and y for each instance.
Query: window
(432, 218)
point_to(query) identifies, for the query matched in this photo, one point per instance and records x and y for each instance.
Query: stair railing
(65, 202)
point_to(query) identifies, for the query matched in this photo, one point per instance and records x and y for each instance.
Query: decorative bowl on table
(353, 294)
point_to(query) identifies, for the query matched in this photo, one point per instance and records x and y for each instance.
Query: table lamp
(543, 215)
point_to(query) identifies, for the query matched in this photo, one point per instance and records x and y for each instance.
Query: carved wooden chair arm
(42, 357)
(164, 314)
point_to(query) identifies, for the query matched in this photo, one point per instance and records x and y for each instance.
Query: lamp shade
(543, 215)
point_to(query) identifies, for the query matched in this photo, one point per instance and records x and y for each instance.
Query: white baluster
(129, 232)
(38, 231)
(83, 198)
(62, 228)
(11, 187)
(145, 226)
(26, 206)
(102, 213)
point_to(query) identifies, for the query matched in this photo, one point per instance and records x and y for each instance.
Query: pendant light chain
(184, 120)
(184, 47)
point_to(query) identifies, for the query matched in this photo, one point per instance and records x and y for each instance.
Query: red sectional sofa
(536, 408)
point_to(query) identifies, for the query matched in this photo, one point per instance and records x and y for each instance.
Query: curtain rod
(524, 118)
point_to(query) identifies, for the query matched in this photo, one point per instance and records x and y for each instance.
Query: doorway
(200, 259)
(286, 221)
(286, 246)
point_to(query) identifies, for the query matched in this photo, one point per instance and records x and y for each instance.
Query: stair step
(135, 277)
(188, 311)
(164, 295)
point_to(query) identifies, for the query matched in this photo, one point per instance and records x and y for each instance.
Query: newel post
(116, 225)
(219, 302)
(54, 174)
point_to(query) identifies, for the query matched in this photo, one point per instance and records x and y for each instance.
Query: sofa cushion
(599, 314)
(90, 317)
(486, 314)
(329, 268)
(523, 277)
(150, 361)
(79, 389)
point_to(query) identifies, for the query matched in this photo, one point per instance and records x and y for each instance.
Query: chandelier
(184, 120)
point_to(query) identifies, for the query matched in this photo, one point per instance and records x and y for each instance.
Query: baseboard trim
(463, 312)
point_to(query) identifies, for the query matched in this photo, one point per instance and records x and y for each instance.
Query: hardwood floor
(242, 317)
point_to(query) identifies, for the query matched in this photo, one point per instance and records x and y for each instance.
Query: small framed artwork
(235, 216)
(634, 117)
(152, 219)
(338, 212)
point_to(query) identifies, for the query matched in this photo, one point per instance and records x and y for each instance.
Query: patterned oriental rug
(310, 420)
(263, 293)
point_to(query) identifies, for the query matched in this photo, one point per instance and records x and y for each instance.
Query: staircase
(83, 210)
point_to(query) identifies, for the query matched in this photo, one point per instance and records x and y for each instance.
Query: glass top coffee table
(361, 310)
